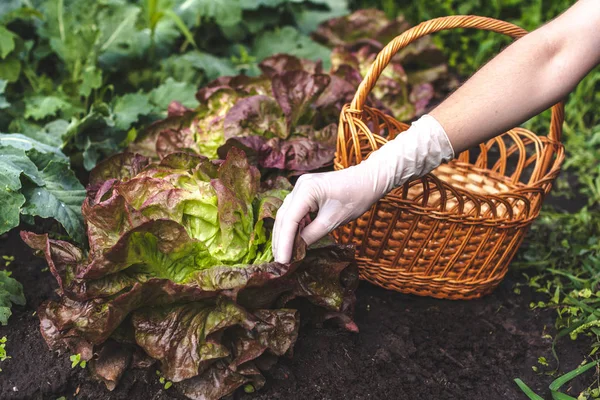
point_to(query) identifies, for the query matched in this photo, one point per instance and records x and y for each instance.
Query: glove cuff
(438, 133)
(412, 154)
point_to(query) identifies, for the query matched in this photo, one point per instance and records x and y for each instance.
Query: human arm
(530, 75)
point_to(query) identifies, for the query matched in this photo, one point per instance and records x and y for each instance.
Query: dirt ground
(408, 348)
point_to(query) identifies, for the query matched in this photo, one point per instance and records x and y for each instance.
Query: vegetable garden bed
(81, 80)
(407, 347)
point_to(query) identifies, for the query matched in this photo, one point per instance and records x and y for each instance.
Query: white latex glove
(342, 196)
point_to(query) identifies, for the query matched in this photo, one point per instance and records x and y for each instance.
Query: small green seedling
(8, 260)
(166, 384)
(3, 355)
(76, 360)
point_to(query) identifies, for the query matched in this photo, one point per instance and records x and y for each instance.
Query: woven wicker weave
(452, 233)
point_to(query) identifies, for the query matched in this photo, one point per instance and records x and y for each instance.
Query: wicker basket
(452, 233)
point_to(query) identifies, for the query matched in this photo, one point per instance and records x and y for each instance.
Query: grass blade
(182, 26)
(557, 383)
(527, 390)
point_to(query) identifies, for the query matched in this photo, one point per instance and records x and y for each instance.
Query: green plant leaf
(60, 198)
(11, 202)
(212, 66)
(41, 107)
(36, 181)
(527, 390)
(50, 134)
(290, 41)
(224, 12)
(181, 26)
(129, 107)
(256, 4)
(7, 41)
(308, 20)
(557, 383)
(91, 79)
(10, 68)
(25, 143)
(11, 292)
(172, 90)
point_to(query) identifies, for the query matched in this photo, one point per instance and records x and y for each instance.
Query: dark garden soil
(408, 348)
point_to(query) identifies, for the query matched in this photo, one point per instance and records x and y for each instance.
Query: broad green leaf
(213, 66)
(94, 136)
(308, 20)
(7, 41)
(117, 24)
(36, 181)
(50, 134)
(291, 41)
(129, 107)
(11, 203)
(26, 143)
(13, 163)
(96, 150)
(8, 6)
(23, 12)
(11, 291)
(172, 90)
(224, 12)
(60, 198)
(257, 21)
(91, 79)
(256, 4)
(40, 107)
(10, 68)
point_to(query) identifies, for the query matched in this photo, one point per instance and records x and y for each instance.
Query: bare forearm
(527, 77)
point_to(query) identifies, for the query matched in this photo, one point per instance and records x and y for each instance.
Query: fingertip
(282, 260)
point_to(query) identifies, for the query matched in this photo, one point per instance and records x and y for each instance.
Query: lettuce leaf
(414, 76)
(290, 98)
(180, 266)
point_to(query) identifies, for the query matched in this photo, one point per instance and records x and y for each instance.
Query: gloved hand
(342, 196)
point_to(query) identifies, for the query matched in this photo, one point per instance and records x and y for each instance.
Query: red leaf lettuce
(287, 118)
(180, 271)
(416, 73)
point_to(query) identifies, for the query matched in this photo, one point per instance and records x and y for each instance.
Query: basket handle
(435, 25)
